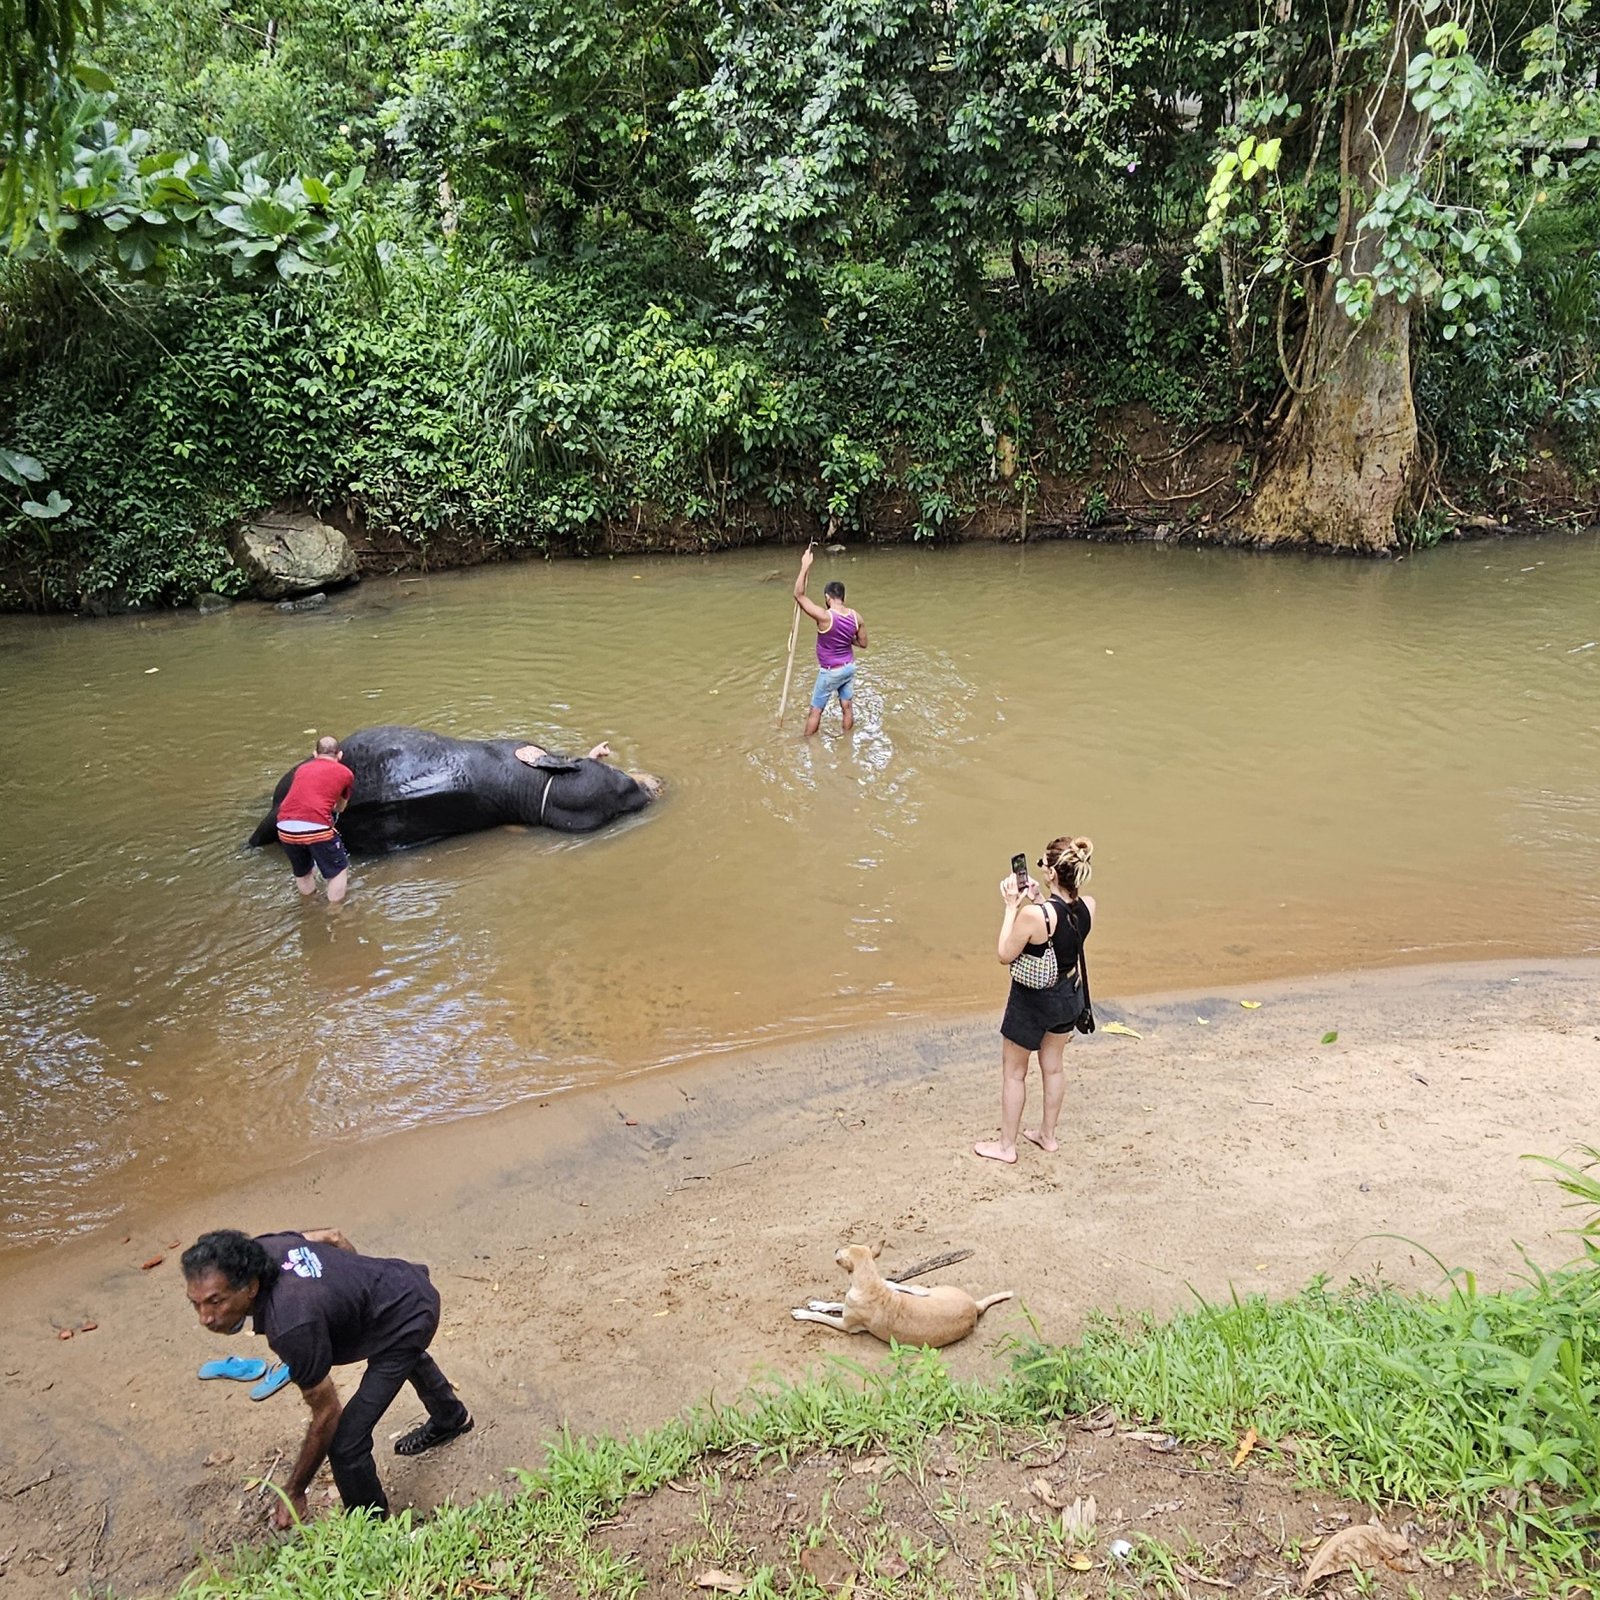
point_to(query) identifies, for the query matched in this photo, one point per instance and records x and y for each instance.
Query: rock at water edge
(289, 553)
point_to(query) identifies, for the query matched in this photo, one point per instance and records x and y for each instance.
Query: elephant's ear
(555, 764)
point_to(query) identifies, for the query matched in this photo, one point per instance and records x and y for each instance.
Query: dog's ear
(877, 1249)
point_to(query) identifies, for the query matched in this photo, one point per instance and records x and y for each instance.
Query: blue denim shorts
(834, 680)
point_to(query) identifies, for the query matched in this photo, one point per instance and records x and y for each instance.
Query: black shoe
(430, 1435)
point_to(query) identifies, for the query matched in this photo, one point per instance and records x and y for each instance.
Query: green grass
(542, 1532)
(1486, 1406)
(1483, 1408)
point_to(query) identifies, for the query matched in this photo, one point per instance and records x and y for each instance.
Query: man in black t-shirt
(323, 1305)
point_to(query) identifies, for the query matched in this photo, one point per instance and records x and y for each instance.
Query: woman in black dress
(1041, 1019)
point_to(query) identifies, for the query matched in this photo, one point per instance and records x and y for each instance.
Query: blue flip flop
(244, 1368)
(272, 1383)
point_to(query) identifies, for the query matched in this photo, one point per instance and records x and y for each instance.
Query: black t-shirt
(328, 1307)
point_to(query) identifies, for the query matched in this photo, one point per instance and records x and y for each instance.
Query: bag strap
(1083, 967)
(1083, 964)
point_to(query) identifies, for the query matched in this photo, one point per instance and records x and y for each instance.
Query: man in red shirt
(318, 792)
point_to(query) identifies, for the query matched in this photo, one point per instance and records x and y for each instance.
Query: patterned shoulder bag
(1042, 971)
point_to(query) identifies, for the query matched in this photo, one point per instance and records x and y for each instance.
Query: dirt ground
(1096, 1511)
(609, 1260)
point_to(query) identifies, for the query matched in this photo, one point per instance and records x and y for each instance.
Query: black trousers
(388, 1372)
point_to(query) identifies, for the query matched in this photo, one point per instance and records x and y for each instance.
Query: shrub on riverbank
(455, 405)
(477, 400)
(1476, 1409)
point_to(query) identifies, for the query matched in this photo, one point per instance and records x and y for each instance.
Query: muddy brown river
(1287, 766)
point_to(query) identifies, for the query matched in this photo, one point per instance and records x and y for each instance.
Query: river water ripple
(1287, 766)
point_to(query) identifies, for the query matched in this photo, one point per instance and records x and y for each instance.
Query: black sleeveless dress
(1032, 1013)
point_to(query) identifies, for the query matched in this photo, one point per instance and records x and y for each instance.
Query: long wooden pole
(794, 633)
(788, 671)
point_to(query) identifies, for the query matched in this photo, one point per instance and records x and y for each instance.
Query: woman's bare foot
(1033, 1136)
(993, 1150)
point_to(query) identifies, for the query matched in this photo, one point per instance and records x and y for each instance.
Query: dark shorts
(1032, 1013)
(328, 856)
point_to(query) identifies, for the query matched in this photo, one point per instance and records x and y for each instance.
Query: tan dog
(896, 1310)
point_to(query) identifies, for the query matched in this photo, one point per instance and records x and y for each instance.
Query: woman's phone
(1019, 865)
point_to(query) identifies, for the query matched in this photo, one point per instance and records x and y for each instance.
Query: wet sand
(610, 1259)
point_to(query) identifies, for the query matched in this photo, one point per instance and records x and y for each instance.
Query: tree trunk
(1342, 470)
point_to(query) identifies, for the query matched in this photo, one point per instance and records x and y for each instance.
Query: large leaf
(49, 509)
(19, 469)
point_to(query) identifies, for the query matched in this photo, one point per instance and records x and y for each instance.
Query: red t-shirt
(316, 788)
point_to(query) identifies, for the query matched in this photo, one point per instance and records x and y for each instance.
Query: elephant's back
(413, 785)
(398, 763)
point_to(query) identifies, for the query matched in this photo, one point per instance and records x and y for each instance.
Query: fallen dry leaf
(1251, 1005)
(722, 1582)
(1079, 1562)
(218, 1458)
(1246, 1445)
(828, 1568)
(1043, 1489)
(872, 1464)
(1368, 1544)
(1184, 1570)
(1162, 1443)
(1161, 1507)
(154, 1261)
(1122, 1028)
(1078, 1515)
(891, 1566)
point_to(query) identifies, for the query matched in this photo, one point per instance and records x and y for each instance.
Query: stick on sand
(932, 1264)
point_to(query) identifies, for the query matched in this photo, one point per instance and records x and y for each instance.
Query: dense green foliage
(733, 270)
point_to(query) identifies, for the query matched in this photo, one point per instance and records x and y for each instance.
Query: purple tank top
(834, 646)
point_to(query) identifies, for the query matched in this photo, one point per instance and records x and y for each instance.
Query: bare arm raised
(1023, 924)
(809, 606)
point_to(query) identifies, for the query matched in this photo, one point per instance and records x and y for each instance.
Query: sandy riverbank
(611, 1259)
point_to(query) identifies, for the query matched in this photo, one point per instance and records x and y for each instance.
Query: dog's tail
(992, 1300)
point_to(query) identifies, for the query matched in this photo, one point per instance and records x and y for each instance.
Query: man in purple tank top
(840, 633)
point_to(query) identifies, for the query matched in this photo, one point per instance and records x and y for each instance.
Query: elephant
(413, 786)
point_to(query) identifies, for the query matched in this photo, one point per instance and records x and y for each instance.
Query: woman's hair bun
(1070, 857)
